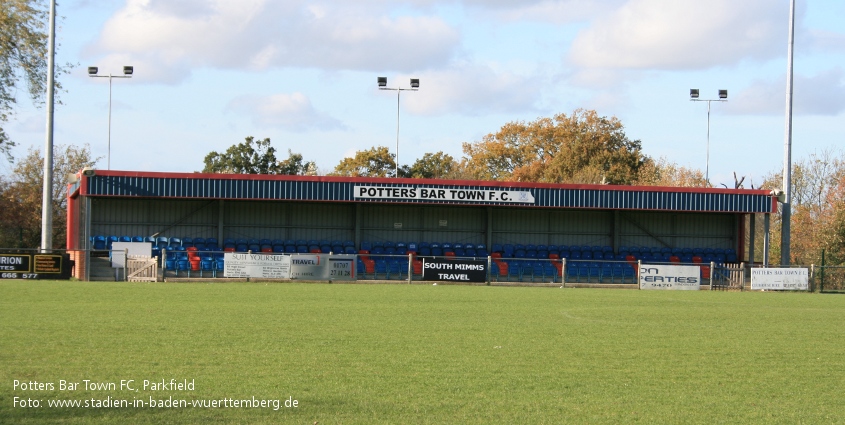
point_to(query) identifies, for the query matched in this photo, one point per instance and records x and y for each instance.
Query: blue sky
(210, 72)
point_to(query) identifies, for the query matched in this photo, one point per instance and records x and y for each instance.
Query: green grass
(409, 354)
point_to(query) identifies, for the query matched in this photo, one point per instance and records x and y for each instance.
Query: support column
(220, 222)
(766, 230)
(615, 236)
(752, 230)
(358, 226)
(489, 241)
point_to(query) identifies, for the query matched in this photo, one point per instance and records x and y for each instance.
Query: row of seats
(386, 248)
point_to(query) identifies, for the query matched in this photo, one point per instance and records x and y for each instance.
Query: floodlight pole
(695, 98)
(786, 205)
(110, 76)
(47, 189)
(414, 87)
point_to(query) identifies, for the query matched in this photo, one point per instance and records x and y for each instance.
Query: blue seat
(606, 272)
(550, 271)
(207, 264)
(394, 270)
(100, 242)
(514, 270)
(381, 268)
(183, 265)
(538, 271)
(572, 270)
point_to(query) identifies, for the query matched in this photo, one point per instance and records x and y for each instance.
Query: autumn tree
(23, 58)
(433, 166)
(375, 162)
(255, 157)
(21, 196)
(818, 208)
(663, 172)
(579, 148)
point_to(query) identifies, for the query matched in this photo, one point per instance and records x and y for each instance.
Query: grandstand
(528, 231)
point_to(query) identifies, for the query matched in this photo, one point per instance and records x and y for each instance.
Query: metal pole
(707, 166)
(787, 154)
(397, 132)
(47, 190)
(108, 164)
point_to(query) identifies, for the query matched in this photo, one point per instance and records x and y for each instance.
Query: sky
(208, 73)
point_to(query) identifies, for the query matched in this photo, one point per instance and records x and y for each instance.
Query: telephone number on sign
(19, 275)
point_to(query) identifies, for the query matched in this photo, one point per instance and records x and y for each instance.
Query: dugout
(363, 210)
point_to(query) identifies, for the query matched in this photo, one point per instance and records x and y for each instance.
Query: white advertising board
(322, 267)
(134, 249)
(267, 266)
(780, 279)
(670, 277)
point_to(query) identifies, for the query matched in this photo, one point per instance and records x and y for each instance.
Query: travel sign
(443, 194)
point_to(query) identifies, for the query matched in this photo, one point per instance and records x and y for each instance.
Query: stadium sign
(670, 277)
(780, 279)
(455, 270)
(35, 266)
(322, 267)
(443, 194)
(256, 265)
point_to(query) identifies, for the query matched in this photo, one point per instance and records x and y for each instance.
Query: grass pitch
(421, 354)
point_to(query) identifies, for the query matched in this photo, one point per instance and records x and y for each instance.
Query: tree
(818, 209)
(23, 58)
(21, 196)
(375, 162)
(665, 173)
(578, 148)
(433, 166)
(255, 157)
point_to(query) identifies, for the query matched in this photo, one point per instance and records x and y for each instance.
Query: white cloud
(257, 34)
(292, 112)
(682, 34)
(553, 11)
(473, 90)
(827, 41)
(821, 94)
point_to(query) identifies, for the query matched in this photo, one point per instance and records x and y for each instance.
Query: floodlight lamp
(88, 172)
(128, 70)
(693, 93)
(382, 81)
(415, 83)
(92, 70)
(723, 94)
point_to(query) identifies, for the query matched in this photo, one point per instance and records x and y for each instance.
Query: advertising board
(35, 266)
(780, 279)
(670, 277)
(266, 266)
(442, 270)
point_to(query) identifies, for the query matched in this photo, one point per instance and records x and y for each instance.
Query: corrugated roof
(423, 191)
